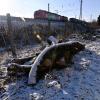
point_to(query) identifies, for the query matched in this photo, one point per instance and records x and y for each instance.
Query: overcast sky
(69, 8)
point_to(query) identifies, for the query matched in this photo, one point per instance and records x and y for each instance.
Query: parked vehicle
(42, 14)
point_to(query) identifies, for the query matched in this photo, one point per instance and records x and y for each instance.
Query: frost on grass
(81, 81)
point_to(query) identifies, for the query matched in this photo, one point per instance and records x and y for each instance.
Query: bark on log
(47, 59)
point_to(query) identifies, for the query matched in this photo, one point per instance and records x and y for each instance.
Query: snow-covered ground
(80, 81)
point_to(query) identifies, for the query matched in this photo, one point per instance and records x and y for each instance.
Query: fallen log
(50, 57)
(56, 56)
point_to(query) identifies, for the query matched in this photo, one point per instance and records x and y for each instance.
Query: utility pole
(81, 4)
(48, 7)
(10, 35)
(91, 18)
(49, 19)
